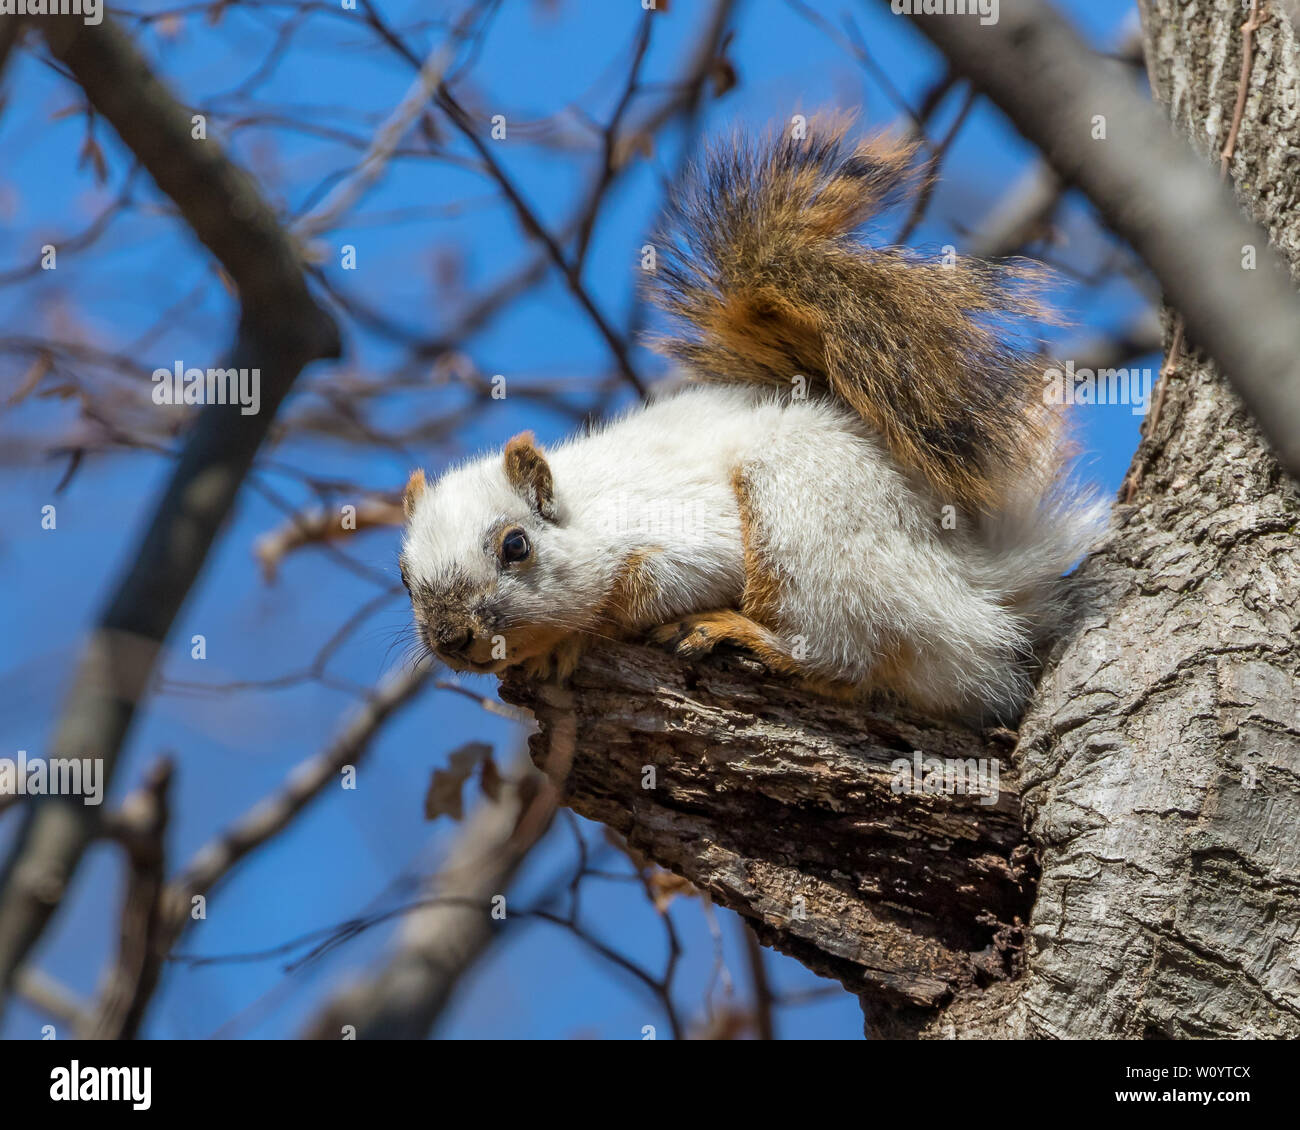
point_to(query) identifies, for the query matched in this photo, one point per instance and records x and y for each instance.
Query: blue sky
(346, 853)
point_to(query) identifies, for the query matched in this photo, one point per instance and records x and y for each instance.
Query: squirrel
(861, 484)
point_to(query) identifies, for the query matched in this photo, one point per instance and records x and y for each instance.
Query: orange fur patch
(634, 591)
(414, 488)
(530, 474)
(762, 596)
(771, 330)
(560, 660)
(698, 635)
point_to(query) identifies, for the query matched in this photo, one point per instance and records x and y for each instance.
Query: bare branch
(528, 219)
(215, 860)
(1055, 90)
(54, 999)
(1021, 215)
(389, 135)
(442, 939)
(156, 916)
(140, 827)
(317, 526)
(282, 328)
(10, 32)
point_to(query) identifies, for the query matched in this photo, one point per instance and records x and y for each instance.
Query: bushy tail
(761, 271)
(1044, 526)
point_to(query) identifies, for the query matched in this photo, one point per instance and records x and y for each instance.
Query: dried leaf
(445, 786)
(723, 75)
(730, 1022)
(490, 780)
(636, 144)
(429, 129)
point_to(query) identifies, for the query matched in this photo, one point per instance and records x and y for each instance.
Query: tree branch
(779, 804)
(141, 827)
(440, 941)
(1055, 90)
(281, 329)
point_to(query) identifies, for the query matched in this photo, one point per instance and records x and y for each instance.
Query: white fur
(866, 564)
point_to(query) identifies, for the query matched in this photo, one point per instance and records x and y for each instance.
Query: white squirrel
(866, 491)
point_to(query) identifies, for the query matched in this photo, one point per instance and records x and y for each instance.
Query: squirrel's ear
(411, 495)
(530, 474)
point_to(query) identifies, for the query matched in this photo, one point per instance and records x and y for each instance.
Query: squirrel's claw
(690, 637)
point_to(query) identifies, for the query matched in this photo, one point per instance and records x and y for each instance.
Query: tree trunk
(1157, 773)
(1161, 759)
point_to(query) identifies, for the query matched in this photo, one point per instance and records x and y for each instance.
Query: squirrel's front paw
(538, 666)
(690, 637)
(561, 661)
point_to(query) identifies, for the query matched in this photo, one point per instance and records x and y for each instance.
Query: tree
(1135, 871)
(1154, 772)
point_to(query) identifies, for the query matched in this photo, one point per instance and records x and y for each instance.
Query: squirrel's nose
(454, 639)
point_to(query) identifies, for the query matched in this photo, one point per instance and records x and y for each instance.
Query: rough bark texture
(781, 806)
(1162, 758)
(1159, 768)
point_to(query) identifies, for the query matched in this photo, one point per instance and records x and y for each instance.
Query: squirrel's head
(483, 561)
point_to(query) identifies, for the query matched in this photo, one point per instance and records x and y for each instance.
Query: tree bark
(1162, 757)
(781, 805)
(1156, 781)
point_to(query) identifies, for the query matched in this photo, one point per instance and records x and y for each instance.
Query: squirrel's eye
(515, 547)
